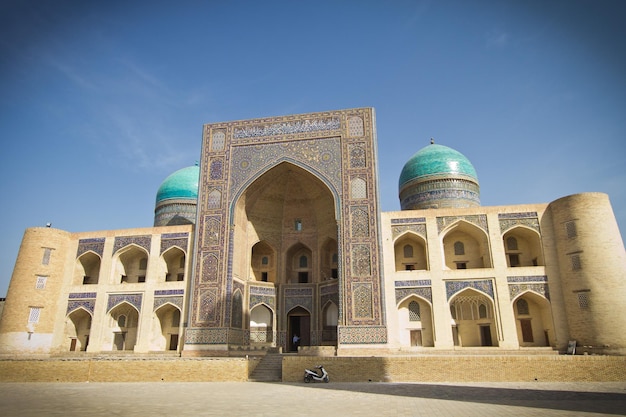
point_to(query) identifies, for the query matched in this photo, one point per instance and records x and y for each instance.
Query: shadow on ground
(579, 401)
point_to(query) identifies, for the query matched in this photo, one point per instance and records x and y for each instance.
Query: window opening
(514, 260)
(459, 248)
(46, 256)
(482, 311)
(461, 265)
(304, 262)
(570, 229)
(511, 243)
(408, 251)
(143, 264)
(414, 311)
(303, 277)
(264, 276)
(298, 225)
(33, 315)
(41, 283)
(522, 307)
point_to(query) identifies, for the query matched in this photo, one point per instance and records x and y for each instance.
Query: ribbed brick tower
(592, 262)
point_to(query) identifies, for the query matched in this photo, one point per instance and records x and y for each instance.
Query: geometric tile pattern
(479, 220)
(362, 334)
(483, 285)
(539, 288)
(95, 245)
(132, 299)
(141, 241)
(159, 301)
(418, 229)
(88, 305)
(423, 292)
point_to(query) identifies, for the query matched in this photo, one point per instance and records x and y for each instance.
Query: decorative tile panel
(178, 241)
(319, 156)
(517, 289)
(530, 278)
(361, 263)
(75, 295)
(123, 241)
(362, 300)
(413, 283)
(160, 301)
(483, 285)
(357, 335)
(360, 221)
(132, 299)
(88, 305)
(357, 156)
(479, 220)
(423, 292)
(207, 336)
(508, 223)
(288, 128)
(409, 220)
(418, 229)
(95, 245)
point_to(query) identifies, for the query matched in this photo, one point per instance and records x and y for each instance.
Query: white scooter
(322, 375)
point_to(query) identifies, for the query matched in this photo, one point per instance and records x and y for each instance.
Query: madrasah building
(278, 232)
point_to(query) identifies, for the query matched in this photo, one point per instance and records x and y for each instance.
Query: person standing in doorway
(296, 341)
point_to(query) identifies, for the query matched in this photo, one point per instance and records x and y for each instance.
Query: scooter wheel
(307, 379)
(326, 379)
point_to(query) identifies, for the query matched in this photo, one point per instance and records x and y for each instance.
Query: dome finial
(432, 141)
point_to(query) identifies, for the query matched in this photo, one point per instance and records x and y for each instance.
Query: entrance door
(485, 335)
(73, 344)
(416, 338)
(527, 331)
(173, 341)
(299, 324)
(118, 341)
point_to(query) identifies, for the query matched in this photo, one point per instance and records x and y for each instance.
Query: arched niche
(173, 263)
(410, 253)
(473, 319)
(465, 246)
(87, 269)
(415, 322)
(523, 247)
(130, 265)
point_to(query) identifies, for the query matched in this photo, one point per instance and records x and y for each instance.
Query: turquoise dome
(182, 184)
(436, 160)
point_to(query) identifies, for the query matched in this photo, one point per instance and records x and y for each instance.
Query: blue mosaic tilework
(180, 242)
(88, 305)
(213, 336)
(528, 214)
(95, 244)
(142, 241)
(82, 295)
(162, 293)
(479, 220)
(174, 235)
(296, 292)
(531, 278)
(362, 334)
(423, 292)
(320, 156)
(288, 128)
(132, 299)
(159, 301)
(410, 220)
(329, 289)
(413, 283)
(293, 302)
(483, 285)
(441, 196)
(269, 300)
(254, 290)
(517, 289)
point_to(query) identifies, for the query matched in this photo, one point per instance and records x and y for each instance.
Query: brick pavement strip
(337, 399)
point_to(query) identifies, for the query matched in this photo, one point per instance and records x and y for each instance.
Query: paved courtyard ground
(333, 399)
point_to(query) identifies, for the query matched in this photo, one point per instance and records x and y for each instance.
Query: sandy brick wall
(461, 368)
(178, 370)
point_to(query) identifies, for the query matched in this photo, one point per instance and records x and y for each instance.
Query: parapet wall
(454, 368)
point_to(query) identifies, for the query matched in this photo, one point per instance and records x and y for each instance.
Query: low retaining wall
(462, 368)
(341, 369)
(127, 370)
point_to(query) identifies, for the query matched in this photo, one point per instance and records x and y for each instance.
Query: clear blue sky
(101, 100)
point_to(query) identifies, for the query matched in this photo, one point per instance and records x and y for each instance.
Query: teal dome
(436, 160)
(182, 184)
(438, 177)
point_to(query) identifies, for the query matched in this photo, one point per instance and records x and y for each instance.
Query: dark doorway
(485, 335)
(299, 325)
(527, 331)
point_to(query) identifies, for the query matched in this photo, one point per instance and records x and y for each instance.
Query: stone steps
(269, 369)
